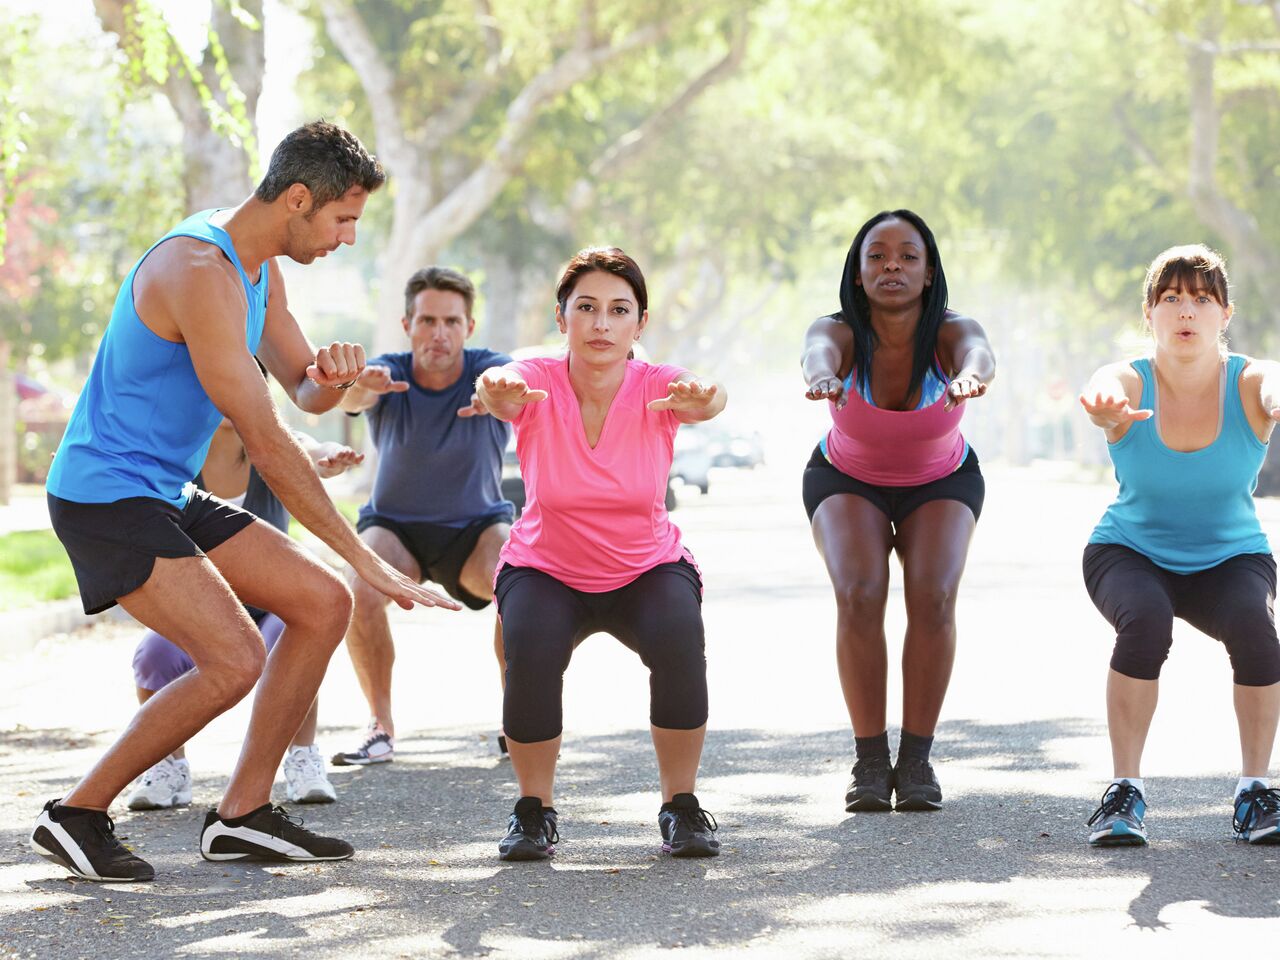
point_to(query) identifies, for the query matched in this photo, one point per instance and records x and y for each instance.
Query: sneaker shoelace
(533, 822)
(1256, 804)
(696, 819)
(105, 828)
(283, 822)
(1119, 798)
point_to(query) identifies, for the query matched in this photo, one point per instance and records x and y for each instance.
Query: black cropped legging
(658, 615)
(1233, 602)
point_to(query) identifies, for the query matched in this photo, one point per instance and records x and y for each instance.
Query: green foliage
(33, 569)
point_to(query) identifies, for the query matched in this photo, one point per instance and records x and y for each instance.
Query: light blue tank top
(143, 423)
(1187, 511)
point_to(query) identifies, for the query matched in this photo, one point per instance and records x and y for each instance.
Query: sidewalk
(27, 509)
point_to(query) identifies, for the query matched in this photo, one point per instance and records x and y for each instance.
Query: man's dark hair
(325, 159)
(438, 278)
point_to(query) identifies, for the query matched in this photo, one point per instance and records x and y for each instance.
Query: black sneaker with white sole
(267, 833)
(531, 832)
(687, 829)
(85, 842)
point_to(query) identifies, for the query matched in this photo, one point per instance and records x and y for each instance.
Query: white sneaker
(305, 777)
(167, 784)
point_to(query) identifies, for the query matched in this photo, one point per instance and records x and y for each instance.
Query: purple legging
(158, 662)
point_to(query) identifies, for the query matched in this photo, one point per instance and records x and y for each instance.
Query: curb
(26, 627)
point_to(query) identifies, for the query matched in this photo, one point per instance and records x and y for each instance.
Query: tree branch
(465, 202)
(349, 34)
(462, 108)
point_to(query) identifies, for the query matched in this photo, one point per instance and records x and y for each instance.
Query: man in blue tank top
(436, 511)
(177, 356)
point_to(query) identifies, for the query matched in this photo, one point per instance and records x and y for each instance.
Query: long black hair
(855, 309)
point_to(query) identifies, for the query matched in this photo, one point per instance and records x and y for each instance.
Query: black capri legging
(1233, 602)
(658, 615)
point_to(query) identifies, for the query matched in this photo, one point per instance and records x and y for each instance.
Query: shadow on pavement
(1005, 850)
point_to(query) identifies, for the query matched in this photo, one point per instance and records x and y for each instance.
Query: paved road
(1001, 871)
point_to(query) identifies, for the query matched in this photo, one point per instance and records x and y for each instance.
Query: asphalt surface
(1001, 871)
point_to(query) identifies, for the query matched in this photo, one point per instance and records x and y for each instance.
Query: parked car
(513, 483)
(732, 449)
(691, 463)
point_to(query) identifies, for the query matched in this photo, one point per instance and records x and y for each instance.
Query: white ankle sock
(1133, 781)
(1246, 783)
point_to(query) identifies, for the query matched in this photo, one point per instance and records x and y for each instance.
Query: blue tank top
(1187, 511)
(143, 423)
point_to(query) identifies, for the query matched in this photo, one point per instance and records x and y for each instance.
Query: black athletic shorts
(441, 551)
(822, 479)
(113, 546)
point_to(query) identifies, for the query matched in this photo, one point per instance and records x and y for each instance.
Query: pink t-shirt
(595, 519)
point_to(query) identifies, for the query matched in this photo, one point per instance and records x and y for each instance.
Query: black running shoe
(84, 841)
(502, 745)
(916, 786)
(531, 832)
(267, 833)
(871, 786)
(687, 829)
(1257, 815)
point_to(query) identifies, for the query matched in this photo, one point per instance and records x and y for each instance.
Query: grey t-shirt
(434, 466)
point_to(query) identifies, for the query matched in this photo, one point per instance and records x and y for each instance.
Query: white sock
(1133, 781)
(1246, 783)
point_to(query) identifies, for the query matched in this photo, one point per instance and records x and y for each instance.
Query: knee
(1253, 649)
(322, 606)
(234, 676)
(932, 606)
(366, 600)
(860, 601)
(1142, 645)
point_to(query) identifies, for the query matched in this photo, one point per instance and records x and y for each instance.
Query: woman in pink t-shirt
(894, 475)
(594, 550)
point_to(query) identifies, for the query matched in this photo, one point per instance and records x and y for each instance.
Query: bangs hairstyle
(325, 159)
(438, 278)
(1194, 268)
(855, 309)
(603, 260)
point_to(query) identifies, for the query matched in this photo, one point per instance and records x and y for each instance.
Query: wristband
(345, 386)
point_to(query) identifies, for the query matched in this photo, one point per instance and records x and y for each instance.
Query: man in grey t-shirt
(436, 511)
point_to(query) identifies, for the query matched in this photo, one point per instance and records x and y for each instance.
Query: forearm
(820, 361)
(291, 475)
(1270, 388)
(978, 363)
(356, 399)
(310, 397)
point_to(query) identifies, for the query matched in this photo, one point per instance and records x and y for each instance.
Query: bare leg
(369, 640)
(476, 578)
(187, 600)
(933, 543)
(143, 697)
(269, 570)
(1131, 704)
(535, 768)
(306, 734)
(679, 753)
(1257, 713)
(854, 537)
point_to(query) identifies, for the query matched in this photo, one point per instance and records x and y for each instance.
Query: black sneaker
(871, 786)
(531, 832)
(687, 829)
(1257, 815)
(84, 841)
(267, 833)
(916, 786)
(502, 746)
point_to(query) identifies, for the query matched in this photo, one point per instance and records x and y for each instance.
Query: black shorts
(441, 551)
(822, 479)
(113, 546)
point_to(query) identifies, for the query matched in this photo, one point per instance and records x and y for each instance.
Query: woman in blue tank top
(1187, 430)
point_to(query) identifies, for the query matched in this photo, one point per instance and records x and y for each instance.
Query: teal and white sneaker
(1257, 815)
(1118, 820)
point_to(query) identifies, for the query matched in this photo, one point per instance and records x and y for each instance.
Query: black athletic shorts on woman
(823, 479)
(658, 615)
(113, 546)
(441, 552)
(1233, 602)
